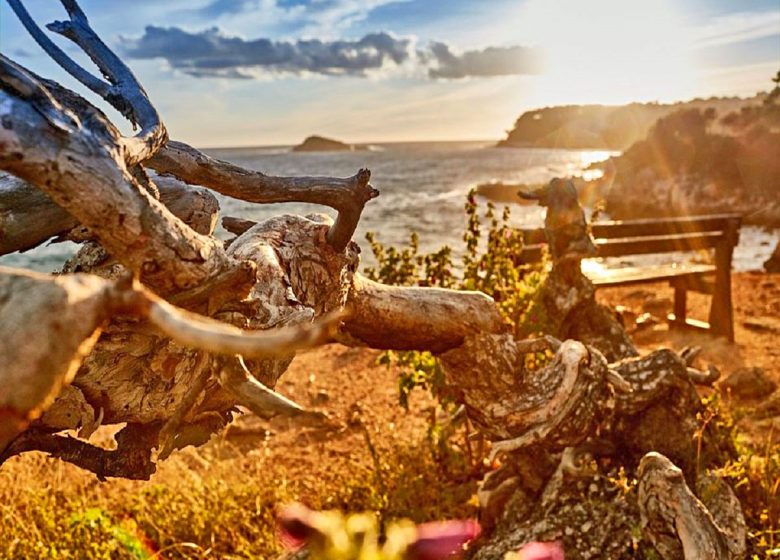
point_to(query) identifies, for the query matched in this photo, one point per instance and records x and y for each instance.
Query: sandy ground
(350, 385)
(756, 299)
(362, 399)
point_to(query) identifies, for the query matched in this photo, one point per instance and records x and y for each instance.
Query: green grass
(202, 506)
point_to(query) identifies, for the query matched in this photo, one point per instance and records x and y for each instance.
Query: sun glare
(610, 51)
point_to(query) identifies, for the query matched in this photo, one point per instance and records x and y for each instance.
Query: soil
(349, 383)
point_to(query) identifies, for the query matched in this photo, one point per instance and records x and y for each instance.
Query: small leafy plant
(489, 264)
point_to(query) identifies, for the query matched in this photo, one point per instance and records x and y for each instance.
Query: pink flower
(542, 551)
(295, 526)
(439, 540)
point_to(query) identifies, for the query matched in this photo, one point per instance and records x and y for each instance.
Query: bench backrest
(639, 237)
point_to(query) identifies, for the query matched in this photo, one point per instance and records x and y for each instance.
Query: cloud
(321, 18)
(211, 53)
(737, 28)
(491, 61)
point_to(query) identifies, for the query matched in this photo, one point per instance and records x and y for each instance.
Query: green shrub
(489, 264)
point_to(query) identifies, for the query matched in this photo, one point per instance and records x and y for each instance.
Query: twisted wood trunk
(95, 346)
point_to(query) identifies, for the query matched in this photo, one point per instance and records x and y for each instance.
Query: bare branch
(124, 92)
(84, 172)
(400, 318)
(131, 459)
(197, 331)
(58, 55)
(249, 392)
(28, 217)
(348, 195)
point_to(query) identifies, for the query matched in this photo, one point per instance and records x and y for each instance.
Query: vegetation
(489, 265)
(755, 477)
(692, 162)
(206, 504)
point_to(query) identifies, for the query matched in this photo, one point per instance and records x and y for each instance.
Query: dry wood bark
(665, 501)
(52, 323)
(164, 371)
(28, 217)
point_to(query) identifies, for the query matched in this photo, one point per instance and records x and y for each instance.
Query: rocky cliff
(601, 126)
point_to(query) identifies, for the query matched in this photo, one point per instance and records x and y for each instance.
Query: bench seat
(718, 233)
(640, 275)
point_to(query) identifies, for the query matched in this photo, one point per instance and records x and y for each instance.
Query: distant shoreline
(490, 142)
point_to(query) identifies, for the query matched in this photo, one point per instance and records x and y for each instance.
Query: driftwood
(28, 217)
(52, 323)
(170, 355)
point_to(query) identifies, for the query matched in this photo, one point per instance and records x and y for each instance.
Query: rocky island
(322, 144)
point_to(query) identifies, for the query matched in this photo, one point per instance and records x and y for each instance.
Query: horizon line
(371, 143)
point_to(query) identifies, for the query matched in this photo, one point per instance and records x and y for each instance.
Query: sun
(610, 51)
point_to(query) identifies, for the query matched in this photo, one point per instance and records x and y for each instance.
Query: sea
(423, 188)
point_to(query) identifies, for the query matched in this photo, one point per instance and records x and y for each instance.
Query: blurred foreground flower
(331, 535)
(441, 539)
(538, 551)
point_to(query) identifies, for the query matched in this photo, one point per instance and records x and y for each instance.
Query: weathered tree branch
(58, 55)
(251, 393)
(197, 331)
(84, 172)
(123, 92)
(347, 196)
(132, 458)
(28, 217)
(391, 317)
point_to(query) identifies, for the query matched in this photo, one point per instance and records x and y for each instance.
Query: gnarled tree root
(600, 515)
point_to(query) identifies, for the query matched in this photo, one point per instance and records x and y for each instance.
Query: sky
(271, 72)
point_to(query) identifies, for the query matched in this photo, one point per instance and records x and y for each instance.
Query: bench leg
(721, 311)
(680, 306)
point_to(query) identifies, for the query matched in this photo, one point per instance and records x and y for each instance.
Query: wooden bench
(641, 237)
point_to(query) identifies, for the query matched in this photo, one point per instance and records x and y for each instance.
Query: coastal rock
(769, 408)
(322, 144)
(748, 383)
(600, 126)
(688, 166)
